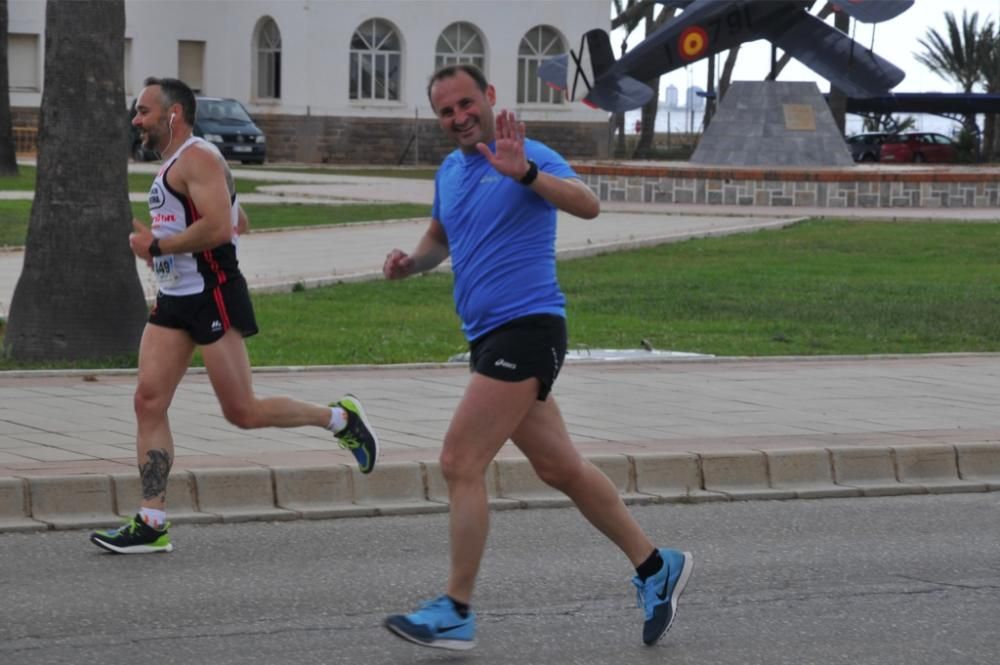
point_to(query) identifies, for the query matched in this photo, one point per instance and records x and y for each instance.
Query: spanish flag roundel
(693, 42)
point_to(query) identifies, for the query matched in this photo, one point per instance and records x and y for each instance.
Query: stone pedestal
(773, 123)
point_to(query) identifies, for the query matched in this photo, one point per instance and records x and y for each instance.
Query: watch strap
(531, 175)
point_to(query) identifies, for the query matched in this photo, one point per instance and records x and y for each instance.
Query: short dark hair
(175, 91)
(452, 70)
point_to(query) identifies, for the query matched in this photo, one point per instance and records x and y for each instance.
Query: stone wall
(903, 187)
(344, 140)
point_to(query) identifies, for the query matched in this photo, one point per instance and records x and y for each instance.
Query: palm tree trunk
(79, 296)
(644, 147)
(989, 137)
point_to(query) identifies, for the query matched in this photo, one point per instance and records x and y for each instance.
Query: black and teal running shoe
(358, 436)
(133, 537)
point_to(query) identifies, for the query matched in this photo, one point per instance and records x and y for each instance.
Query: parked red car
(918, 147)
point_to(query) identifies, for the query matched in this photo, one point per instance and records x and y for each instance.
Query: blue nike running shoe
(436, 624)
(658, 595)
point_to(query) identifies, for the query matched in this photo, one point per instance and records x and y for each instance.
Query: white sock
(152, 517)
(338, 419)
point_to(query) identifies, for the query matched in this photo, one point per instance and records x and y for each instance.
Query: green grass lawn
(821, 287)
(24, 181)
(14, 215)
(267, 216)
(817, 288)
(409, 172)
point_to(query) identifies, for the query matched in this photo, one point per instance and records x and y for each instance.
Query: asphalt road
(909, 580)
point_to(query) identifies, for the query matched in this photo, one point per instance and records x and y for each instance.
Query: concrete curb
(934, 467)
(980, 462)
(740, 476)
(403, 488)
(871, 470)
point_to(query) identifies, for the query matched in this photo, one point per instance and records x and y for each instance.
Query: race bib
(164, 270)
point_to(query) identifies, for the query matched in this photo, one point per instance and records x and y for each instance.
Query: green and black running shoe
(358, 436)
(133, 537)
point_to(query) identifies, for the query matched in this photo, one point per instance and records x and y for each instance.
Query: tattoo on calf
(154, 473)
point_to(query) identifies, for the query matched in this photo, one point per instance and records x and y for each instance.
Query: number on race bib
(163, 270)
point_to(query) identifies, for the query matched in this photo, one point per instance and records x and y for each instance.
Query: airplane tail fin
(837, 58)
(593, 66)
(602, 58)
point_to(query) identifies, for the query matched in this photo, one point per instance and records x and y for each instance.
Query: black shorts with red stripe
(208, 315)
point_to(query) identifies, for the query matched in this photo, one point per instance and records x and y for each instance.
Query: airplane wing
(836, 57)
(872, 11)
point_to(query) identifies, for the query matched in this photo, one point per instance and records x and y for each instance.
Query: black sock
(650, 566)
(461, 608)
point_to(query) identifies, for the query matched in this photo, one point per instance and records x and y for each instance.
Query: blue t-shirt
(502, 239)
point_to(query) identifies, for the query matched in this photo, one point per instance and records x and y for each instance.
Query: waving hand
(509, 158)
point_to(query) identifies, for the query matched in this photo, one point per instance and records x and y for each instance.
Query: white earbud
(170, 123)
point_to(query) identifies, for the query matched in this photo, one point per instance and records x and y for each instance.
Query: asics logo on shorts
(503, 363)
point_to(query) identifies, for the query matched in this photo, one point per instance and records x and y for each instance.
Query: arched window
(375, 61)
(267, 60)
(460, 43)
(538, 44)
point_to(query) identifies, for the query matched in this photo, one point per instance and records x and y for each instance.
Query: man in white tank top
(203, 302)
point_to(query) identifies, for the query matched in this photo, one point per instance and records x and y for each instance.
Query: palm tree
(645, 145)
(79, 296)
(628, 17)
(990, 79)
(959, 56)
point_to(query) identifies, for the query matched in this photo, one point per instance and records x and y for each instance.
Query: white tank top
(170, 213)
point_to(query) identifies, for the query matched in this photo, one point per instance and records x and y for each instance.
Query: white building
(341, 80)
(671, 96)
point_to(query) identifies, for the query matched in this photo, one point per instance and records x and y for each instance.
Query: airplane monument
(764, 123)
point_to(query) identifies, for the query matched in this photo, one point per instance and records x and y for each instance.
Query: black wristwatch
(154, 247)
(530, 176)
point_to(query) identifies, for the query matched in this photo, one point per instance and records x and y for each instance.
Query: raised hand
(509, 158)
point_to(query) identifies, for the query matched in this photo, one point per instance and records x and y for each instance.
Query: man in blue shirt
(495, 204)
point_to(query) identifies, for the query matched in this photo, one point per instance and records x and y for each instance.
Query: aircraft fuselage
(706, 27)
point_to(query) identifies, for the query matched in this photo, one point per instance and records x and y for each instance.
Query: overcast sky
(895, 40)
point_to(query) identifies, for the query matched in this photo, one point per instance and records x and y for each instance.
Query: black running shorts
(532, 346)
(207, 316)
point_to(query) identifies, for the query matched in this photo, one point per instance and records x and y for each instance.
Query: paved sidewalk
(83, 423)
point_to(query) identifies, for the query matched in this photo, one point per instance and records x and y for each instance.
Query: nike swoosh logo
(666, 583)
(446, 629)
